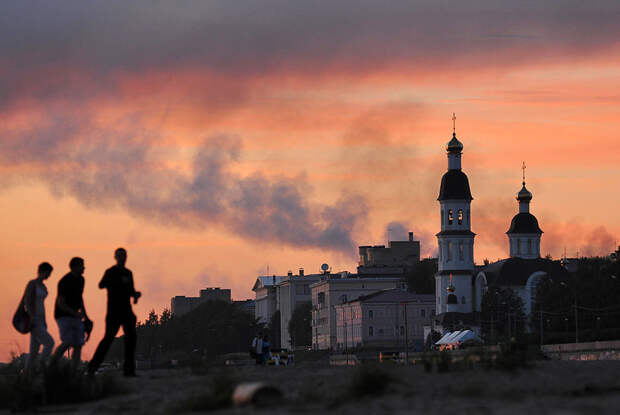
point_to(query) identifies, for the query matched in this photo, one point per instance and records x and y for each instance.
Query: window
(443, 216)
(380, 332)
(449, 253)
(402, 330)
(463, 300)
(450, 218)
(422, 313)
(321, 299)
(370, 314)
(461, 251)
(371, 331)
(343, 298)
(460, 217)
(518, 246)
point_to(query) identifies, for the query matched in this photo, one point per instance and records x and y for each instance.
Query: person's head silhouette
(121, 256)
(45, 270)
(77, 266)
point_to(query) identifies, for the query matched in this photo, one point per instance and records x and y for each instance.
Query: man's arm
(83, 308)
(104, 281)
(62, 305)
(135, 294)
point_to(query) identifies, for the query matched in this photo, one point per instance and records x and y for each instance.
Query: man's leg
(129, 329)
(76, 356)
(48, 345)
(60, 350)
(111, 328)
(34, 351)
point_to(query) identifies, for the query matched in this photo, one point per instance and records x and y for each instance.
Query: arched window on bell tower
(450, 218)
(460, 217)
(449, 253)
(443, 217)
(461, 251)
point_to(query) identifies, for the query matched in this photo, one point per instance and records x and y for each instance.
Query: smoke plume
(117, 169)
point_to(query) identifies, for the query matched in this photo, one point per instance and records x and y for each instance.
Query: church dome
(524, 195)
(524, 223)
(454, 145)
(454, 186)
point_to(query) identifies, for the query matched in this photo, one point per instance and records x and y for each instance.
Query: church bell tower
(453, 281)
(524, 233)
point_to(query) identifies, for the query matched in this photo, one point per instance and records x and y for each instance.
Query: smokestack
(410, 236)
(301, 272)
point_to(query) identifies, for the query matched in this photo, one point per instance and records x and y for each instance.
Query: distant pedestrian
(266, 349)
(70, 312)
(34, 302)
(257, 347)
(118, 280)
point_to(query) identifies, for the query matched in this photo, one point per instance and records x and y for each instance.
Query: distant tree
(274, 330)
(501, 315)
(152, 320)
(594, 289)
(300, 326)
(421, 277)
(166, 316)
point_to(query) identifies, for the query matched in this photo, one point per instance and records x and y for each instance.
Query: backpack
(21, 318)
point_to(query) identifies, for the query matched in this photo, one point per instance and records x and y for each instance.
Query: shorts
(71, 330)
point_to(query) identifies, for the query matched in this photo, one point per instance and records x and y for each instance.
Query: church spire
(524, 196)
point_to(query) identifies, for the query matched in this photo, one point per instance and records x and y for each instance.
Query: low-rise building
(181, 304)
(394, 260)
(337, 289)
(293, 290)
(249, 306)
(390, 318)
(266, 302)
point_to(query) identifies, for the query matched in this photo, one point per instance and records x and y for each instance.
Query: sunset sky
(216, 139)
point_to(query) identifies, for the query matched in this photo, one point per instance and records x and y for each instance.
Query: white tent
(457, 337)
(447, 338)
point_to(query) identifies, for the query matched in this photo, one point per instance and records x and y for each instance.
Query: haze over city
(219, 141)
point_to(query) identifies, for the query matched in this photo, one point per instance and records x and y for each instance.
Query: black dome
(524, 223)
(454, 186)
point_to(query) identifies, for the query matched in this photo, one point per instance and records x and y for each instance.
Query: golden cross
(523, 168)
(454, 123)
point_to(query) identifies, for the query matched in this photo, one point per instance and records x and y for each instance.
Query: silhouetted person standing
(70, 312)
(118, 280)
(34, 300)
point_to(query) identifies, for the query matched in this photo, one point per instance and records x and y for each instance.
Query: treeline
(586, 307)
(581, 306)
(212, 329)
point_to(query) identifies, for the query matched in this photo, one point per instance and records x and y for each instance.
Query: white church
(459, 283)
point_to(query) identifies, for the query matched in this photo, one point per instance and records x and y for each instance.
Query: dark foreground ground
(549, 387)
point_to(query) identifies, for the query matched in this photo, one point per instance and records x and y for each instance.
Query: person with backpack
(34, 304)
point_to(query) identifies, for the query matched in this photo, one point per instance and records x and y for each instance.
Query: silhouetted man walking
(118, 280)
(70, 312)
